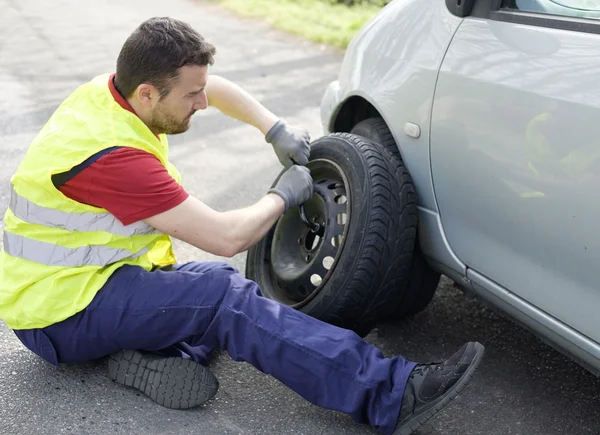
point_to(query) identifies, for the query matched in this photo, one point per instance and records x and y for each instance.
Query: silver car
(493, 107)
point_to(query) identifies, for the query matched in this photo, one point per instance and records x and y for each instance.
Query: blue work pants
(195, 308)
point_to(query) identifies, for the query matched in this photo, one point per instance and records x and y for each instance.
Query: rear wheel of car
(345, 272)
(423, 281)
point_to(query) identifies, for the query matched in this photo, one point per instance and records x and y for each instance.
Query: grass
(317, 20)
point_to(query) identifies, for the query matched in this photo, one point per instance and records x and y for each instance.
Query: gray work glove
(295, 186)
(291, 144)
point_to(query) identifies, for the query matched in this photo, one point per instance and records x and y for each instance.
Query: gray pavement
(49, 48)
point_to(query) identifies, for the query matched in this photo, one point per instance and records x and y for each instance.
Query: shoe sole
(423, 417)
(174, 383)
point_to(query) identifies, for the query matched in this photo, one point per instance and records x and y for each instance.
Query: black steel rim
(297, 261)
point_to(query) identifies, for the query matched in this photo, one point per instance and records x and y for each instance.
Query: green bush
(360, 2)
(333, 22)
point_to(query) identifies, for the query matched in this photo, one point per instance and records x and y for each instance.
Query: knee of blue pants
(113, 322)
(204, 267)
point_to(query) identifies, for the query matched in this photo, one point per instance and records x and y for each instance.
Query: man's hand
(295, 186)
(291, 144)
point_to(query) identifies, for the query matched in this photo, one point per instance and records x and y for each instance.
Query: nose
(202, 102)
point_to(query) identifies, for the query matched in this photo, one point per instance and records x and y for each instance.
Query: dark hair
(155, 51)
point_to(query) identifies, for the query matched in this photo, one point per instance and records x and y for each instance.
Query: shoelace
(422, 369)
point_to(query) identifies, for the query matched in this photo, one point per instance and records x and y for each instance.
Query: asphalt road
(49, 48)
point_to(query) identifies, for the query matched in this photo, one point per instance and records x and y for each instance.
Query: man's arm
(291, 144)
(229, 233)
(235, 102)
(221, 233)
(148, 192)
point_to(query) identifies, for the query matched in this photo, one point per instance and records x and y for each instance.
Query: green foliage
(333, 22)
(379, 3)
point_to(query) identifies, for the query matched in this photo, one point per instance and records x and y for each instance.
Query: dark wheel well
(354, 110)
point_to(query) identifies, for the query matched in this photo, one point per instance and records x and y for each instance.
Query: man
(88, 271)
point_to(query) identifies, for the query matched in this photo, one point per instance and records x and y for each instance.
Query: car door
(515, 152)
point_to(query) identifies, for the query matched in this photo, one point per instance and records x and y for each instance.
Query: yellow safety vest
(58, 252)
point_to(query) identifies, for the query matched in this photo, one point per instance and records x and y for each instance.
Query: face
(173, 113)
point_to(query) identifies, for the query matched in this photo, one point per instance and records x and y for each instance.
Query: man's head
(162, 71)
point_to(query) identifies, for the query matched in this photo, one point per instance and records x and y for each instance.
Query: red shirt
(129, 183)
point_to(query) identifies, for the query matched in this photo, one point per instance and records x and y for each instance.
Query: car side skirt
(437, 251)
(551, 331)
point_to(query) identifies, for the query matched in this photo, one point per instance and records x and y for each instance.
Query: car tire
(371, 256)
(423, 280)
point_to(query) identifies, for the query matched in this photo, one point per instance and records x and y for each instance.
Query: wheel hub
(301, 259)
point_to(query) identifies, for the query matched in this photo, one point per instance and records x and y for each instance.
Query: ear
(147, 95)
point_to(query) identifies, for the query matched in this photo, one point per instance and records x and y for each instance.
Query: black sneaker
(175, 383)
(430, 387)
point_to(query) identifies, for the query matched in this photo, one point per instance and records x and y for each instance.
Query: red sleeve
(129, 183)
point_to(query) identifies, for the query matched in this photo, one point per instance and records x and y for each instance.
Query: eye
(195, 93)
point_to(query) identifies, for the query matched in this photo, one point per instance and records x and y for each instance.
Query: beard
(163, 122)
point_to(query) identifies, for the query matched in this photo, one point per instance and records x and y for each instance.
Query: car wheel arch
(353, 110)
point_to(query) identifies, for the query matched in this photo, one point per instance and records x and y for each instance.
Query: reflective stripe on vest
(55, 255)
(32, 213)
(60, 253)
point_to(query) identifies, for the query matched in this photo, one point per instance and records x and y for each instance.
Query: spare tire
(343, 272)
(423, 282)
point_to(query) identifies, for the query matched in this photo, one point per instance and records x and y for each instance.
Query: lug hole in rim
(316, 280)
(336, 241)
(312, 241)
(341, 199)
(328, 262)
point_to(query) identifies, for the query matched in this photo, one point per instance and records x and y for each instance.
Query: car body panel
(515, 155)
(435, 247)
(393, 63)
